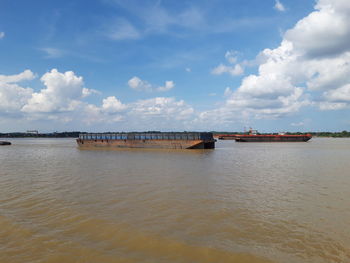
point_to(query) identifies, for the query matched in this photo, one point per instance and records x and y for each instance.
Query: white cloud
(25, 75)
(279, 6)
(167, 108)
(329, 73)
(138, 84)
(341, 94)
(61, 101)
(2, 35)
(62, 93)
(87, 92)
(123, 29)
(159, 112)
(324, 32)
(169, 84)
(112, 104)
(188, 69)
(235, 70)
(313, 55)
(13, 96)
(326, 105)
(228, 92)
(231, 56)
(142, 85)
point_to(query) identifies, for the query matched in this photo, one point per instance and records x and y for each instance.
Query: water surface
(253, 202)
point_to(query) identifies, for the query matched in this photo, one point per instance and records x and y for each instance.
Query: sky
(211, 65)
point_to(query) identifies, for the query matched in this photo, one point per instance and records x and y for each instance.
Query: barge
(5, 143)
(253, 136)
(272, 138)
(165, 140)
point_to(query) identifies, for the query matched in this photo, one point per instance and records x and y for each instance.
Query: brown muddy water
(279, 202)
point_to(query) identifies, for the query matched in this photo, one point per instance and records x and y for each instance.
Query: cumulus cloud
(313, 56)
(138, 84)
(279, 6)
(112, 104)
(159, 112)
(336, 99)
(2, 35)
(233, 69)
(164, 107)
(142, 85)
(341, 94)
(62, 100)
(62, 93)
(12, 95)
(25, 75)
(324, 32)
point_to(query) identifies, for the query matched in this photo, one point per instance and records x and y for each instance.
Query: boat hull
(160, 144)
(228, 137)
(272, 138)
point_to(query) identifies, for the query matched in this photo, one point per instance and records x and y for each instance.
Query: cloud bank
(63, 100)
(309, 68)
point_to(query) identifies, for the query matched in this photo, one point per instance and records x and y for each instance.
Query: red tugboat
(253, 136)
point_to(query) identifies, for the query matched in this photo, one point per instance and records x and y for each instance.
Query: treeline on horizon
(75, 134)
(341, 134)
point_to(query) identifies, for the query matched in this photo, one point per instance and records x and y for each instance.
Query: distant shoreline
(75, 134)
(40, 135)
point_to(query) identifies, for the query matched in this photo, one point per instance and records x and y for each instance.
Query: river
(242, 202)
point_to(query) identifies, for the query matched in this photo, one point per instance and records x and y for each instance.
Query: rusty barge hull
(148, 140)
(272, 138)
(226, 137)
(160, 144)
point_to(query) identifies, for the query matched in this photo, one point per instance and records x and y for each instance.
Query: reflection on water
(281, 202)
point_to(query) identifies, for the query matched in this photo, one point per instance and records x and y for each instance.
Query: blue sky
(110, 65)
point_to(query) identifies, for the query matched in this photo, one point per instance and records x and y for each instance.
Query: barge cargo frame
(164, 140)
